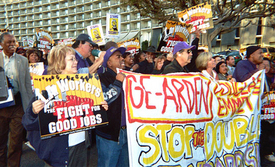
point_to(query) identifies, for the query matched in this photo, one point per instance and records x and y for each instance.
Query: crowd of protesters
(85, 57)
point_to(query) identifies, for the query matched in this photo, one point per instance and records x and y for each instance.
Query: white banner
(187, 119)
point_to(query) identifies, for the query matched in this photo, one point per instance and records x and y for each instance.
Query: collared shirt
(82, 64)
(11, 72)
(230, 70)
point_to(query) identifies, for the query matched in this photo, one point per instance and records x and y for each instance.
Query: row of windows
(71, 26)
(78, 17)
(58, 13)
(62, 5)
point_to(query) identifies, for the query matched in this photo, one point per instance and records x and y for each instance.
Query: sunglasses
(189, 51)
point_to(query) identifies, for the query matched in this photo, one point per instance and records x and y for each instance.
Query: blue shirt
(244, 70)
(82, 64)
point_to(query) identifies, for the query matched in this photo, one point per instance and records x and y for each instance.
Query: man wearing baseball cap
(111, 140)
(83, 46)
(246, 68)
(182, 56)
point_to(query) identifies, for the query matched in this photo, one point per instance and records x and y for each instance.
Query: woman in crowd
(221, 69)
(143, 64)
(65, 150)
(33, 55)
(128, 61)
(205, 63)
(21, 51)
(158, 64)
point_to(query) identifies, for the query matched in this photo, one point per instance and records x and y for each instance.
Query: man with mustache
(17, 71)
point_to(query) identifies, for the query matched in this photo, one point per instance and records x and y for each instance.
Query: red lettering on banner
(136, 88)
(166, 97)
(146, 93)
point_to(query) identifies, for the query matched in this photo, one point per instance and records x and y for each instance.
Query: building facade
(67, 19)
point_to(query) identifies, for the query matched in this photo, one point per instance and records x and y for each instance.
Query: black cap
(151, 49)
(85, 37)
(251, 49)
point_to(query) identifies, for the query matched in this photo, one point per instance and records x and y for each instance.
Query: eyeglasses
(88, 44)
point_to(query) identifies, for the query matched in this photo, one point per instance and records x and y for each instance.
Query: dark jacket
(54, 151)
(112, 92)
(145, 67)
(174, 66)
(244, 70)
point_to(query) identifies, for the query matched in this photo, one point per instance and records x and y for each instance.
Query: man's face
(231, 61)
(185, 55)
(217, 59)
(9, 44)
(150, 55)
(116, 61)
(257, 56)
(86, 49)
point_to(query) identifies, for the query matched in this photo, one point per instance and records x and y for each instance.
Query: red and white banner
(187, 119)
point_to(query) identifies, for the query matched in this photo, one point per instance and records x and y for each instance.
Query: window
(138, 25)
(109, 2)
(92, 7)
(57, 20)
(128, 26)
(66, 19)
(128, 8)
(57, 5)
(40, 23)
(99, 13)
(91, 22)
(57, 35)
(99, 5)
(49, 29)
(149, 24)
(66, 11)
(128, 17)
(40, 8)
(66, 27)
(48, 7)
(138, 15)
(49, 22)
(57, 13)
(91, 15)
(118, 10)
(67, 34)
(40, 16)
(49, 14)
(57, 28)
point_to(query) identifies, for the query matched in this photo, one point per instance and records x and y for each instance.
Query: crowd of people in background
(85, 57)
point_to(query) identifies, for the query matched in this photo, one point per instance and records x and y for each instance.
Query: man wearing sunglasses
(83, 46)
(182, 56)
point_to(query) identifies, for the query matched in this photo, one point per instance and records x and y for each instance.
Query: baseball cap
(110, 52)
(182, 45)
(85, 37)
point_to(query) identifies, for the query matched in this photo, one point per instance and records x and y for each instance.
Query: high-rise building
(67, 19)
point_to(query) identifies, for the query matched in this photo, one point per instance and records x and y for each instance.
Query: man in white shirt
(17, 71)
(230, 61)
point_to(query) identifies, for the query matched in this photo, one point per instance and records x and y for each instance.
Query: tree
(231, 12)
